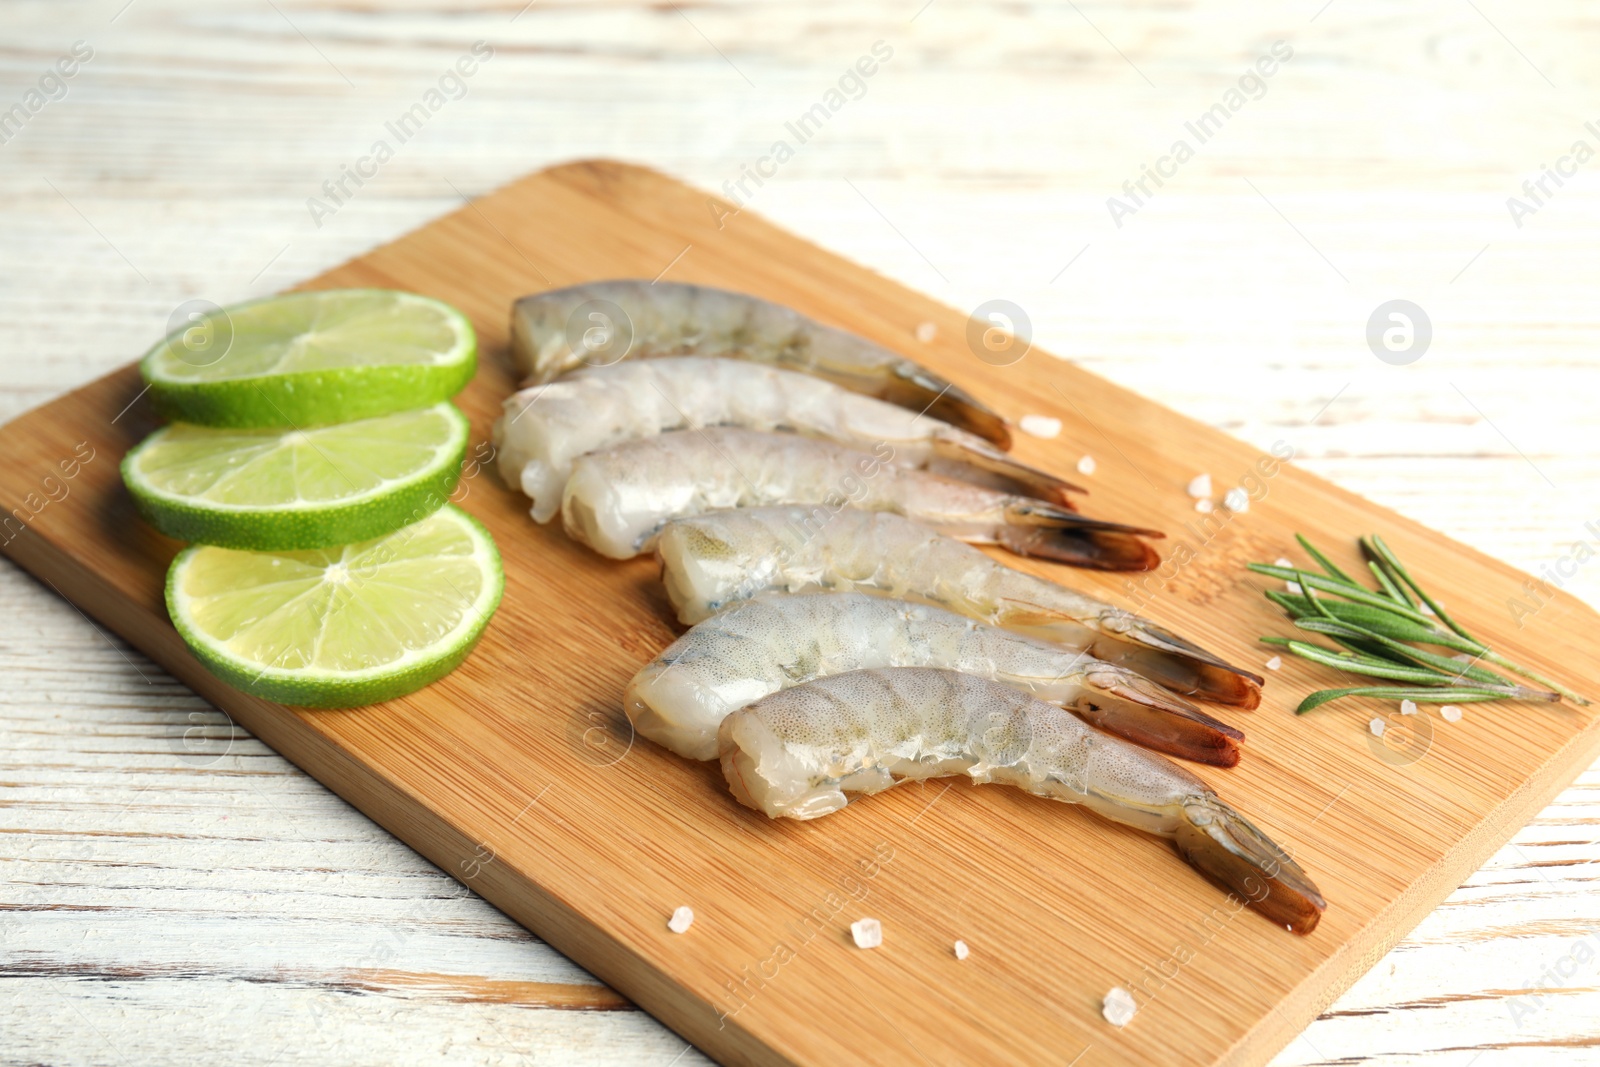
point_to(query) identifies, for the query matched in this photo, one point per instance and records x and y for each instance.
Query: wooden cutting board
(519, 776)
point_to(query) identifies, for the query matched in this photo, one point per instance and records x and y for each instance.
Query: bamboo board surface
(518, 776)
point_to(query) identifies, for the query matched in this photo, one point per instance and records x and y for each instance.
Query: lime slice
(288, 489)
(309, 358)
(340, 627)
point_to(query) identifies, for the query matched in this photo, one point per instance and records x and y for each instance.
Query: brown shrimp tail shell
(1016, 475)
(1092, 549)
(1187, 674)
(919, 389)
(1137, 710)
(1155, 652)
(1225, 847)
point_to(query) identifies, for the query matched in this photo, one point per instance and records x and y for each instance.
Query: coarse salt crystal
(1408, 707)
(1118, 1007)
(1086, 465)
(868, 933)
(1459, 657)
(961, 950)
(1377, 727)
(682, 919)
(1450, 713)
(1204, 506)
(1200, 486)
(1293, 587)
(1041, 426)
(926, 332)
(1236, 500)
(1281, 562)
(1425, 609)
(1274, 663)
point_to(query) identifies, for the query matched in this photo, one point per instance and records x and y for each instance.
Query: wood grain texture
(990, 144)
(488, 774)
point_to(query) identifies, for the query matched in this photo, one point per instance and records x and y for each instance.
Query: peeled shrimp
(798, 752)
(617, 499)
(680, 698)
(558, 331)
(724, 557)
(545, 427)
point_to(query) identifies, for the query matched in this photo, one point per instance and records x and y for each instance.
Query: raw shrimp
(545, 427)
(558, 331)
(680, 698)
(711, 561)
(798, 752)
(617, 499)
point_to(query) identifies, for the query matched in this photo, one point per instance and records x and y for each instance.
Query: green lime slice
(272, 490)
(308, 358)
(340, 627)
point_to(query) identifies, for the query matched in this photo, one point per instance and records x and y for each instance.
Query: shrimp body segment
(679, 699)
(675, 319)
(545, 427)
(616, 500)
(722, 558)
(800, 752)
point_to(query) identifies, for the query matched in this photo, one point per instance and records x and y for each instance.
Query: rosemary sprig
(1380, 631)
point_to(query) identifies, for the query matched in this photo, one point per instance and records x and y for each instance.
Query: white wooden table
(173, 891)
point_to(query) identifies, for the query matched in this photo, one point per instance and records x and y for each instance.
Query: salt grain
(961, 950)
(1425, 609)
(1041, 426)
(926, 332)
(1200, 486)
(1377, 727)
(1408, 707)
(1450, 713)
(1204, 506)
(1281, 562)
(1274, 663)
(868, 933)
(682, 919)
(1236, 500)
(1086, 465)
(1293, 588)
(1118, 1007)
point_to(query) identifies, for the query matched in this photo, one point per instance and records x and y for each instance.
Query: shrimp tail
(1090, 549)
(1224, 846)
(912, 387)
(1191, 672)
(1154, 651)
(965, 449)
(1136, 709)
(1037, 528)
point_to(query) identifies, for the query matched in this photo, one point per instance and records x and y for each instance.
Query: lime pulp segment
(345, 626)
